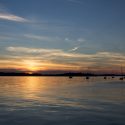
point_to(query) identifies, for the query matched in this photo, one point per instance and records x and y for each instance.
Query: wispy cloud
(41, 38)
(60, 59)
(32, 50)
(74, 49)
(12, 17)
(61, 53)
(47, 52)
(81, 40)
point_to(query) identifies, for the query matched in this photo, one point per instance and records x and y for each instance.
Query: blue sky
(62, 34)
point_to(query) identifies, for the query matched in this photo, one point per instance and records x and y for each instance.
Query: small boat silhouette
(70, 77)
(121, 78)
(87, 77)
(105, 77)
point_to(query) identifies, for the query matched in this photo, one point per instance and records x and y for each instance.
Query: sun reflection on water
(58, 91)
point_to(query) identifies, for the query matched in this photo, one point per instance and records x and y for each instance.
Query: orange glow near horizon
(31, 65)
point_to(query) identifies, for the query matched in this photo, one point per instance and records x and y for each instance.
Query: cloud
(60, 59)
(81, 40)
(74, 49)
(11, 17)
(46, 52)
(32, 50)
(41, 38)
(61, 53)
(66, 39)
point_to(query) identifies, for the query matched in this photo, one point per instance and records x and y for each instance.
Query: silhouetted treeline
(62, 74)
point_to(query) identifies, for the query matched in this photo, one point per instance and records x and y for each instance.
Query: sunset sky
(62, 35)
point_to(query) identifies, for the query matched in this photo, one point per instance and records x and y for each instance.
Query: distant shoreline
(59, 75)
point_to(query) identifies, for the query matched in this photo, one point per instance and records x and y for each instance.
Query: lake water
(61, 101)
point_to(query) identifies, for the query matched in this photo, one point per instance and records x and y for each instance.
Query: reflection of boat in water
(121, 78)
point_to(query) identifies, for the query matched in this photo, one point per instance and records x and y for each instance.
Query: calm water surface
(61, 101)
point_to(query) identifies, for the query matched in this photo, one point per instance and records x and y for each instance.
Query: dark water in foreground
(61, 101)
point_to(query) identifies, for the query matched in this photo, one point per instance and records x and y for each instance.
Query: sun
(31, 65)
